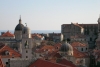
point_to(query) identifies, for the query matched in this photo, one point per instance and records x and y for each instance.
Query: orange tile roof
(1, 63)
(7, 34)
(66, 62)
(36, 35)
(54, 54)
(78, 44)
(57, 45)
(12, 53)
(45, 48)
(44, 63)
(79, 54)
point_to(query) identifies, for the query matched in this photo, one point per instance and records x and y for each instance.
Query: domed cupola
(18, 30)
(26, 32)
(20, 26)
(66, 48)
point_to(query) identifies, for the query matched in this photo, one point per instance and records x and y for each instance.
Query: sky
(47, 14)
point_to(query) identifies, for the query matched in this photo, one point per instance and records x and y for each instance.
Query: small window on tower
(26, 51)
(26, 56)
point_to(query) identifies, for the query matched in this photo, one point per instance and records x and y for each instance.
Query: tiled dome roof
(66, 47)
(26, 29)
(19, 27)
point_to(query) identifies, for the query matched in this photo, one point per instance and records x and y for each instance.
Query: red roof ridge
(47, 61)
(66, 62)
(2, 47)
(1, 63)
(12, 52)
(7, 34)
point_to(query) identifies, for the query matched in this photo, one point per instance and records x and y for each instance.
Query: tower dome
(20, 26)
(26, 32)
(66, 48)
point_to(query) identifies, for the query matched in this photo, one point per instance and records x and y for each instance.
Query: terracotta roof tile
(58, 45)
(45, 48)
(66, 62)
(12, 53)
(44, 63)
(78, 44)
(36, 35)
(7, 34)
(79, 54)
(1, 63)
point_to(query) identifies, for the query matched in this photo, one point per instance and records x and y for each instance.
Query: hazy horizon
(35, 31)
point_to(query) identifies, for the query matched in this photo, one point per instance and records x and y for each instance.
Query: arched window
(90, 39)
(26, 44)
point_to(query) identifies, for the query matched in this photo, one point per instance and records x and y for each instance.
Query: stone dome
(19, 27)
(66, 47)
(26, 30)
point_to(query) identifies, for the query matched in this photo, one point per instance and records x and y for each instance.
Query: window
(90, 39)
(26, 51)
(82, 49)
(86, 48)
(26, 56)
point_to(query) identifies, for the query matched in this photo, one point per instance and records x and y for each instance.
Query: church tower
(27, 49)
(18, 30)
(27, 43)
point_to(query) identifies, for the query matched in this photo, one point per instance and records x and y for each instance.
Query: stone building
(72, 29)
(89, 31)
(17, 40)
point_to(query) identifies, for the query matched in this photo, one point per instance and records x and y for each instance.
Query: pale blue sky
(47, 14)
